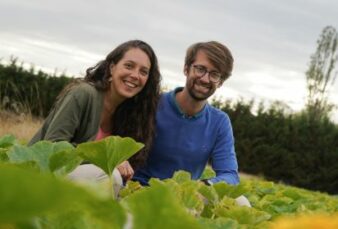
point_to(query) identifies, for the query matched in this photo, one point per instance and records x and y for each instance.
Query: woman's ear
(111, 69)
(111, 66)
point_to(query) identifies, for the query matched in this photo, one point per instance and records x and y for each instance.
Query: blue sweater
(188, 143)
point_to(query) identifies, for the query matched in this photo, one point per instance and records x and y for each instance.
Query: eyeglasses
(200, 71)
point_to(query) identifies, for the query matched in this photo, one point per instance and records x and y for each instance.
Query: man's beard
(197, 97)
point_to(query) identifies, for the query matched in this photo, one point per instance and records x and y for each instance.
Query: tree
(321, 75)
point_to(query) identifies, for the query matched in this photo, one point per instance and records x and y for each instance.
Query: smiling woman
(118, 96)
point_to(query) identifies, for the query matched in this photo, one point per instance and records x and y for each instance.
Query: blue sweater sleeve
(223, 158)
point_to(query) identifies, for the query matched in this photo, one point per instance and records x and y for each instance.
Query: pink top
(101, 134)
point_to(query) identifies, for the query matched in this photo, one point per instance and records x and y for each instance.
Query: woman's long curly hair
(135, 117)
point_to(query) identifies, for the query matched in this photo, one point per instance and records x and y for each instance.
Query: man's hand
(125, 170)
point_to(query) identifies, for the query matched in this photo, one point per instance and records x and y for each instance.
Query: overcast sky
(271, 41)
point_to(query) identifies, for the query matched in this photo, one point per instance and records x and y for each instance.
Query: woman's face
(130, 74)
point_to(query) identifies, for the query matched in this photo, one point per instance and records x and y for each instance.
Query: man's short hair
(218, 54)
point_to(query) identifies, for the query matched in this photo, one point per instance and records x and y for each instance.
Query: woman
(118, 96)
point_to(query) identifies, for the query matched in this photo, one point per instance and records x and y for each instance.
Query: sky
(271, 41)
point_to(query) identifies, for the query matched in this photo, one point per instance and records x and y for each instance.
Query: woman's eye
(128, 65)
(144, 73)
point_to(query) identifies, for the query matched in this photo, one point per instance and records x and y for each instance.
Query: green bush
(285, 147)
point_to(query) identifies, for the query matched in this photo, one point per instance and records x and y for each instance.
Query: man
(189, 131)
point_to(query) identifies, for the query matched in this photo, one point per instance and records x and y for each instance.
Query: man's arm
(223, 156)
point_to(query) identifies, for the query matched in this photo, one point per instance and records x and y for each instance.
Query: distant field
(22, 126)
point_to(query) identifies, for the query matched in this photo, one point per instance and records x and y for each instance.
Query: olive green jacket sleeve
(75, 118)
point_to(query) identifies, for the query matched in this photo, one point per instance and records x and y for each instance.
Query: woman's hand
(126, 171)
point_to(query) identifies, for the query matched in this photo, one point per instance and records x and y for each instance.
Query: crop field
(36, 193)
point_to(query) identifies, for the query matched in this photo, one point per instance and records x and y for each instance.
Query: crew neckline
(178, 108)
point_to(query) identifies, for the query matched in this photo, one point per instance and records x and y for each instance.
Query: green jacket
(75, 118)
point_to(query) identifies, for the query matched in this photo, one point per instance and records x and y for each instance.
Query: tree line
(284, 147)
(27, 90)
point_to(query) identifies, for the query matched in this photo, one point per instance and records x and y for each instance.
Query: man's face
(199, 86)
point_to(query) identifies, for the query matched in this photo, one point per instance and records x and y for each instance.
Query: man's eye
(215, 74)
(200, 69)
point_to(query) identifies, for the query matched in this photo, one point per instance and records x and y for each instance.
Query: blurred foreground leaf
(28, 194)
(25, 193)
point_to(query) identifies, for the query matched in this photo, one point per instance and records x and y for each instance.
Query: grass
(22, 126)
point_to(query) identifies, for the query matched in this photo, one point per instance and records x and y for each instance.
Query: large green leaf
(7, 141)
(226, 203)
(40, 153)
(3, 155)
(243, 215)
(187, 192)
(63, 162)
(157, 207)
(26, 194)
(210, 199)
(233, 191)
(277, 204)
(129, 188)
(222, 189)
(109, 152)
(181, 176)
(209, 193)
(98, 215)
(28, 224)
(295, 194)
(208, 173)
(266, 188)
(219, 223)
(108, 212)
(191, 198)
(68, 219)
